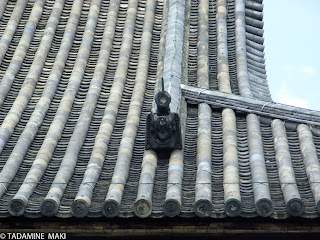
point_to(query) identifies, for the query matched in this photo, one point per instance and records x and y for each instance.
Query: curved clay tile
(311, 161)
(203, 195)
(172, 204)
(10, 169)
(2, 7)
(79, 78)
(143, 205)
(49, 206)
(22, 48)
(295, 206)
(80, 206)
(12, 25)
(260, 180)
(242, 75)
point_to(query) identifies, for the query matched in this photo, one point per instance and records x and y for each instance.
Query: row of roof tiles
(77, 81)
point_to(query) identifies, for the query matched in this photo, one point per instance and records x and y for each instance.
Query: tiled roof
(78, 79)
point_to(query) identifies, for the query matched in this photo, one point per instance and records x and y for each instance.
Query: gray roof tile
(78, 78)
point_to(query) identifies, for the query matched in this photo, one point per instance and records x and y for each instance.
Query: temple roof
(78, 79)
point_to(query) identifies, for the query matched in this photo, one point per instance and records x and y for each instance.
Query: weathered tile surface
(77, 80)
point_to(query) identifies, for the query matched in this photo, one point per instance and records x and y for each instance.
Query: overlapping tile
(78, 80)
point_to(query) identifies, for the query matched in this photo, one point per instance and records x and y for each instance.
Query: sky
(292, 51)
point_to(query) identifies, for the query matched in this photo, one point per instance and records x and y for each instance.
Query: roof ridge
(251, 105)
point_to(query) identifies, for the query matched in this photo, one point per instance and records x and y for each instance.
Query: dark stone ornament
(163, 131)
